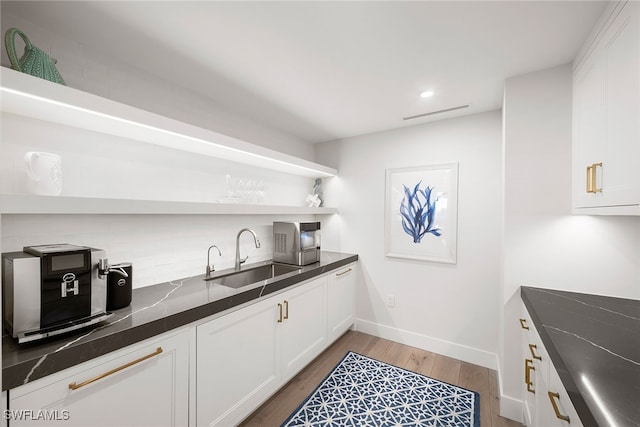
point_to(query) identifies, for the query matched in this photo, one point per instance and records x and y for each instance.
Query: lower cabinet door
(558, 407)
(546, 402)
(304, 325)
(238, 363)
(341, 294)
(146, 384)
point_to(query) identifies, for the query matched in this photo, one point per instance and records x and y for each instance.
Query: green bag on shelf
(34, 61)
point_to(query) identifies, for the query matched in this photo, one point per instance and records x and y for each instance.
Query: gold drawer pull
(523, 324)
(592, 178)
(286, 309)
(344, 272)
(595, 182)
(530, 388)
(280, 313)
(74, 386)
(533, 353)
(552, 397)
(528, 367)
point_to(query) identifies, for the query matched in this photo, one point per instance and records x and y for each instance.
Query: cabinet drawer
(533, 349)
(143, 385)
(535, 365)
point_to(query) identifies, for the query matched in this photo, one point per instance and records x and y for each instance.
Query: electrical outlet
(391, 300)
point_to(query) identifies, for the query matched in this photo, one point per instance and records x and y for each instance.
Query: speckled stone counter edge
(26, 363)
(560, 361)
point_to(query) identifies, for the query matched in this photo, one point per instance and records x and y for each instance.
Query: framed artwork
(421, 213)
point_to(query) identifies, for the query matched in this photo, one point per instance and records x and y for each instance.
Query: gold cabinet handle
(528, 367)
(590, 179)
(344, 272)
(280, 313)
(74, 386)
(286, 310)
(592, 186)
(594, 179)
(533, 353)
(552, 397)
(523, 324)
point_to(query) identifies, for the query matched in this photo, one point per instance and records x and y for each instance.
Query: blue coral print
(418, 212)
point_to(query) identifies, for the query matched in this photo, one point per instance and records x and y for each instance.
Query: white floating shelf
(29, 204)
(37, 98)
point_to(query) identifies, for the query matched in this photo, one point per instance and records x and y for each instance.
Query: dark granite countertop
(594, 344)
(153, 311)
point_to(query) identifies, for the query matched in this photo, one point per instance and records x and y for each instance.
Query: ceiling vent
(446, 110)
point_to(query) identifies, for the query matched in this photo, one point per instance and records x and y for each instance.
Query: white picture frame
(421, 213)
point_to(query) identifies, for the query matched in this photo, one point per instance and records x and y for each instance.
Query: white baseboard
(434, 345)
(509, 407)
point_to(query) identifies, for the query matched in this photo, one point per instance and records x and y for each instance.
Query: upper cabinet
(606, 116)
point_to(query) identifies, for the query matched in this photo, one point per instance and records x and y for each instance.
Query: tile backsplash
(160, 247)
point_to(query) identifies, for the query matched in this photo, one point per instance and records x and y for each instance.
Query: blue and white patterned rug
(361, 391)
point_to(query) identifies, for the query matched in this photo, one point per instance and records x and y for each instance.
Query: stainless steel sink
(238, 279)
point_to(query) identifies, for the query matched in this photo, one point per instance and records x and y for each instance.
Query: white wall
(544, 245)
(450, 309)
(99, 165)
(91, 71)
(161, 247)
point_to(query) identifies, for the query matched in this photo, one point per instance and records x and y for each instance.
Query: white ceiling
(330, 69)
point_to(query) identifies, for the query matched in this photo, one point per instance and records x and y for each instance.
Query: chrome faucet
(210, 266)
(256, 241)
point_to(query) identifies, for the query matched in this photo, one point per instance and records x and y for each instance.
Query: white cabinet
(606, 116)
(536, 368)
(341, 294)
(241, 359)
(146, 384)
(237, 363)
(545, 401)
(245, 356)
(304, 325)
(562, 413)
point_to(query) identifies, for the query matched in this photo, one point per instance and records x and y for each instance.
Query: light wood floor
(456, 372)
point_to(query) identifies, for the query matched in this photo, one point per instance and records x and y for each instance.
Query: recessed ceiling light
(426, 94)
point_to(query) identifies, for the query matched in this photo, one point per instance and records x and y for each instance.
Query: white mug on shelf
(44, 173)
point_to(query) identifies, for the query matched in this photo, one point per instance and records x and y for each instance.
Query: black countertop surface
(594, 344)
(153, 310)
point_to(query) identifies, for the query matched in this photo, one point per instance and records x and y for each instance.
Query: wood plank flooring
(483, 380)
